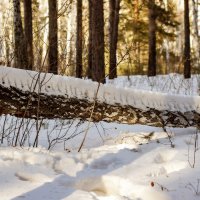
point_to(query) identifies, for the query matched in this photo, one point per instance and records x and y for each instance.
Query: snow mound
(105, 185)
(118, 187)
(165, 156)
(32, 177)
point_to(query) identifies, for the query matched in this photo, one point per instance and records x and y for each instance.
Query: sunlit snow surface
(127, 166)
(117, 162)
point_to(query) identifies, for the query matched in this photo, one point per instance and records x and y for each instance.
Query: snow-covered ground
(171, 84)
(135, 165)
(117, 162)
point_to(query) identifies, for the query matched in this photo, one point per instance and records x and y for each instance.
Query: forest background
(95, 39)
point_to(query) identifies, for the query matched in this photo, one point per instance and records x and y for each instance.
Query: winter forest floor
(117, 161)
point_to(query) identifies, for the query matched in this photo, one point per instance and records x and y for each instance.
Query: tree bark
(7, 46)
(113, 36)
(20, 50)
(187, 65)
(152, 39)
(79, 40)
(195, 4)
(89, 70)
(53, 37)
(20, 103)
(98, 63)
(28, 31)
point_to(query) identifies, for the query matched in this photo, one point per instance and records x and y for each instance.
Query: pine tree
(53, 37)
(20, 50)
(98, 63)
(152, 38)
(195, 4)
(28, 29)
(187, 65)
(79, 40)
(113, 36)
(89, 70)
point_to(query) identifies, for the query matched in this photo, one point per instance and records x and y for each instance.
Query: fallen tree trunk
(28, 104)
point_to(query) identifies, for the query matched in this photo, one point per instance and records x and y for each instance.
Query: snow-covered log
(32, 105)
(32, 95)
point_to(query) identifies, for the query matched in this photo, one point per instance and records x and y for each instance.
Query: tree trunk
(196, 30)
(187, 66)
(24, 104)
(20, 51)
(7, 46)
(71, 34)
(98, 65)
(113, 34)
(79, 40)
(53, 37)
(28, 31)
(38, 45)
(89, 70)
(152, 39)
(137, 51)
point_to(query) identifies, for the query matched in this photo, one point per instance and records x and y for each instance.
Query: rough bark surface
(53, 37)
(98, 62)
(152, 39)
(113, 36)
(79, 40)
(195, 4)
(187, 65)
(31, 105)
(20, 51)
(28, 30)
(89, 71)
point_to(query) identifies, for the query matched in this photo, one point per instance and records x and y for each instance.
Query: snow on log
(38, 95)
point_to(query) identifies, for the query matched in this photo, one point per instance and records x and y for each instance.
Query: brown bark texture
(113, 36)
(79, 36)
(152, 39)
(53, 37)
(20, 49)
(28, 104)
(186, 58)
(89, 70)
(28, 30)
(98, 62)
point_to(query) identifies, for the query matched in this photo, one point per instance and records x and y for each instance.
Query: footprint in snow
(105, 185)
(164, 156)
(105, 163)
(31, 177)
